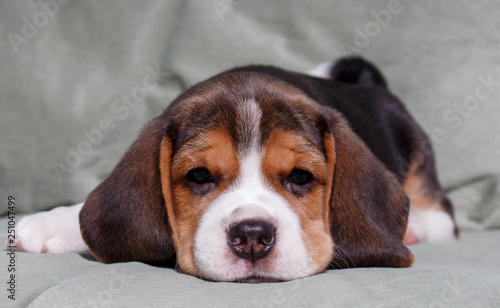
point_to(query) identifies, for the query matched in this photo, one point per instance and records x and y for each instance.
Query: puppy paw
(416, 231)
(429, 226)
(53, 231)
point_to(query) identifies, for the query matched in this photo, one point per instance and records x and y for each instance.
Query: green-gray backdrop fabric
(78, 80)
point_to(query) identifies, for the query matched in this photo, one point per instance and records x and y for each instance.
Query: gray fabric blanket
(466, 274)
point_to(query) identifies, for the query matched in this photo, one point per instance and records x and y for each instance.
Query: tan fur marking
(215, 151)
(286, 151)
(165, 157)
(329, 144)
(415, 187)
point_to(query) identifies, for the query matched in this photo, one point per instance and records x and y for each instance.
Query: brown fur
(125, 217)
(369, 208)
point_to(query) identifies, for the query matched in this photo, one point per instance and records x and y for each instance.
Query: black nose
(251, 240)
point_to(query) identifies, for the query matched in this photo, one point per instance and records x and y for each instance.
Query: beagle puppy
(262, 174)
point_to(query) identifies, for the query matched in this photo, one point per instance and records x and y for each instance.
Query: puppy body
(260, 174)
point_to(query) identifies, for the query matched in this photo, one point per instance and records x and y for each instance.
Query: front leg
(57, 230)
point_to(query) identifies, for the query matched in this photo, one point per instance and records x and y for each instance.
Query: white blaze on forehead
(250, 198)
(248, 122)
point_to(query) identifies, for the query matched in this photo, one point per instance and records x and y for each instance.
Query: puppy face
(245, 177)
(249, 205)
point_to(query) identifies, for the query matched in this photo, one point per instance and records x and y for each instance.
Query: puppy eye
(300, 177)
(299, 182)
(200, 176)
(201, 181)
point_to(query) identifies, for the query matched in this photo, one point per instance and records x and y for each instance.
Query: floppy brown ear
(368, 208)
(125, 218)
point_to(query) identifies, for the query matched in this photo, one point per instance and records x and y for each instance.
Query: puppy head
(245, 178)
